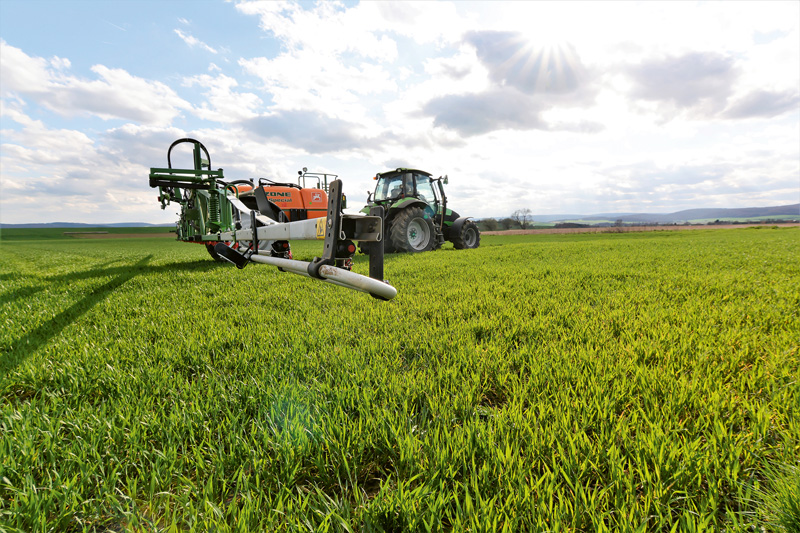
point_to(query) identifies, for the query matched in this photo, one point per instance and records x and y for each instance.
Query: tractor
(416, 217)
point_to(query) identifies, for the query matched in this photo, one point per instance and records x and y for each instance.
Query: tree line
(519, 219)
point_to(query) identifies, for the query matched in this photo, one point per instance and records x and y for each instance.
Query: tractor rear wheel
(468, 237)
(412, 231)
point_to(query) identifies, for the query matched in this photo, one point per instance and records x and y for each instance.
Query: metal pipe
(331, 274)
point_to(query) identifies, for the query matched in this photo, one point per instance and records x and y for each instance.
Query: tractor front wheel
(412, 231)
(468, 237)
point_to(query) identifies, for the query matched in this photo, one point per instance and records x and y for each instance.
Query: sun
(542, 63)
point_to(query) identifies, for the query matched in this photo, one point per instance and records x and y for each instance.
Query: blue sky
(558, 107)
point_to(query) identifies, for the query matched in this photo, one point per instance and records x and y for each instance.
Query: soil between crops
(629, 229)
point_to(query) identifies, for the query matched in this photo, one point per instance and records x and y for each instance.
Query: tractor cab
(405, 183)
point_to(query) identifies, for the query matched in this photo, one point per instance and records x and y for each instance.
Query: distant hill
(81, 225)
(680, 217)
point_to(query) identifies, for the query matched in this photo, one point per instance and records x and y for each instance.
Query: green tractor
(416, 217)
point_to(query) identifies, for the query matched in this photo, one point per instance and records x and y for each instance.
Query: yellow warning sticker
(321, 227)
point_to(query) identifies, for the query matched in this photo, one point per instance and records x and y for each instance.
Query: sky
(570, 107)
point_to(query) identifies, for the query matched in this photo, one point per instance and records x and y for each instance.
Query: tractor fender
(410, 202)
(407, 203)
(401, 204)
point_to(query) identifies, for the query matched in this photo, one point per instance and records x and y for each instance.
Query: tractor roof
(402, 170)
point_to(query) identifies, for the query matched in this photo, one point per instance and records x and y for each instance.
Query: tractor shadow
(17, 351)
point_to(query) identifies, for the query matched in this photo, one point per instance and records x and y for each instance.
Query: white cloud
(194, 41)
(63, 175)
(329, 29)
(334, 61)
(223, 103)
(20, 72)
(60, 63)
(305, 80)
(699, 83)
(115, 95)
(425, 22)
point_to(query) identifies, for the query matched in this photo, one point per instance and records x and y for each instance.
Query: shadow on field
(27, 292)
(25, 346)
(100, 271)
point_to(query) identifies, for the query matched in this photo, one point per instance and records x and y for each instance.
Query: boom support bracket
(240, 260)
(333, 226)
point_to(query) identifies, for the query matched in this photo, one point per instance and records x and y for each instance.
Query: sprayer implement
(242, 221)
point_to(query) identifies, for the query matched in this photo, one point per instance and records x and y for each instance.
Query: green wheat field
(603, 382)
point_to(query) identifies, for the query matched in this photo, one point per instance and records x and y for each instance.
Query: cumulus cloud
(763, 104)
(224, 104)
(339, 62)
(474, 114)
(698, 83)
(675, 186)
(64, 174)
(311, 131)
(454, 68)
(21, 72)
(304, 80)
(328, 28)
(703, 85)
(647, 176)
(425, 22)
(499, 108)
(115, 94)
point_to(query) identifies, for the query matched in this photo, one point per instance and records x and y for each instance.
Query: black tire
(468, 237)
(412, 231)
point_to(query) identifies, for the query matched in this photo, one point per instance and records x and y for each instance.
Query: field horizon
(694, 215)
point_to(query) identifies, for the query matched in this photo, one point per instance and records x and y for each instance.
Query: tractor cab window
(392, 187)
(425, 189)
